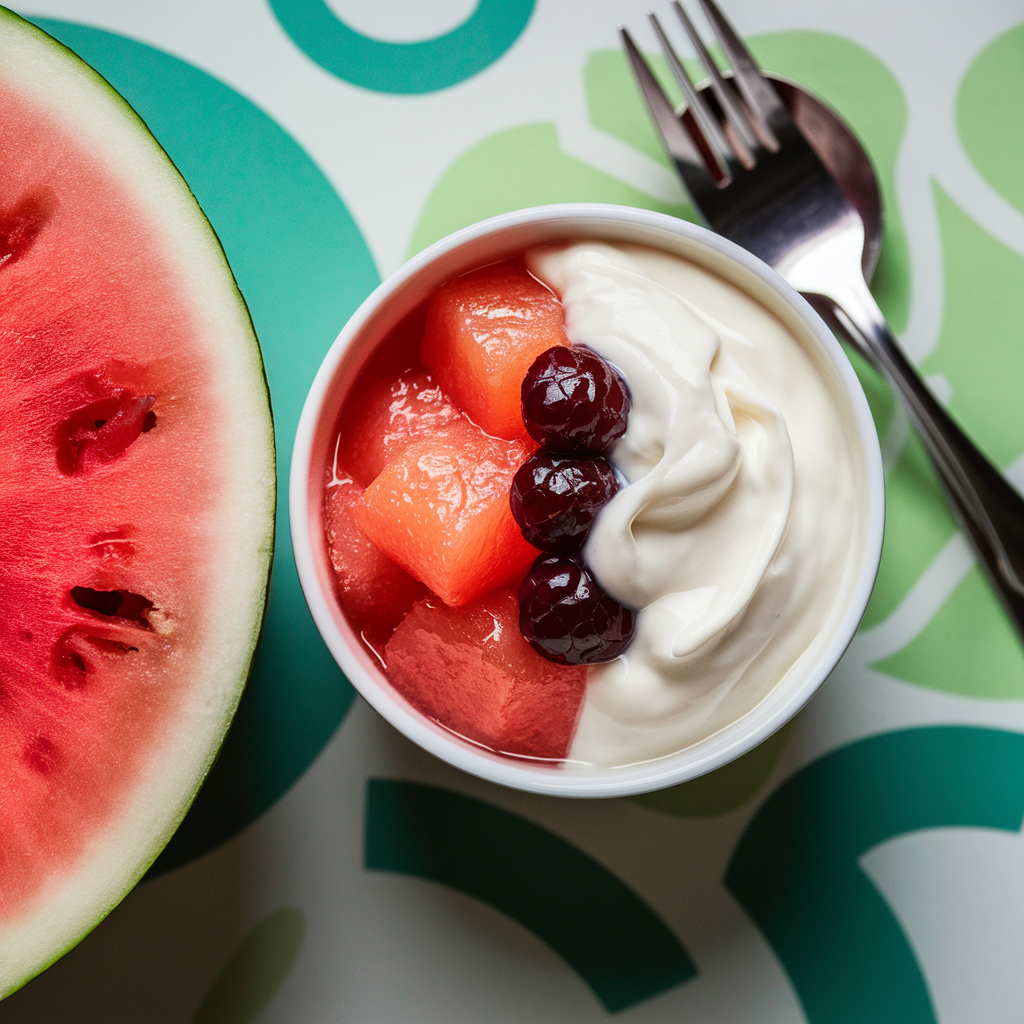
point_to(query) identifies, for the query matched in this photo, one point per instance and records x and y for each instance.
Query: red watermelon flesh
(470, 669)
(483, 331)
(440, 509)
(136, 491)
(386, 417)
(374, 592)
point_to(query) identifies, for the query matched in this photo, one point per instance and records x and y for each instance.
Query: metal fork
(755, 179)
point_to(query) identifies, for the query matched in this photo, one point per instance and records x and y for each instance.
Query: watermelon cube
(483, 331)
(373, 591)
(440, 509)
(470, 669)
(386, 416)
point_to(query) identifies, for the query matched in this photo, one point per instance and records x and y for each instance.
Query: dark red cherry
(573, 401)
(566, 616)
(555, 500)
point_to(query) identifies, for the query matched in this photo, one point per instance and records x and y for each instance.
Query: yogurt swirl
(727, 537)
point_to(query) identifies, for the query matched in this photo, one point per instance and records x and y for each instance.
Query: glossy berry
(566, 616)
(573, 401)
(555, 500)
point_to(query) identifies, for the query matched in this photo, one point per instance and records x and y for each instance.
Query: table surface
(864, 864)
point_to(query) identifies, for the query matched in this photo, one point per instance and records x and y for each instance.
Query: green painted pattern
(619, 946)
(302, 266)
(722, 790)
(988, 114)
(255, 971)
(918, 525)
(796, 869)
(981, 348)
(404, 68)
(969, 647)
(614, 103)
(516, 168)
(881, 400)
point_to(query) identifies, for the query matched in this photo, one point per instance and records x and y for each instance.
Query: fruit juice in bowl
(586, 500)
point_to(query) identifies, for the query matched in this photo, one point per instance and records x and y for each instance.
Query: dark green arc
(303, 267)
(404, 68)
(796, 868)
(599, 926)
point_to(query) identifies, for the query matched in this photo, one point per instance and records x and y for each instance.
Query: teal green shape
(255, 971)
(969, 648)
(601, 928)
(981, 347)
(988, 114)
(517, 168)
(722, 790)
(403, 68)
(918, 525)
(796, 871)
(303, 267)
(848, 77)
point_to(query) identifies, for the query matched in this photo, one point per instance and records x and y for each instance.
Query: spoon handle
(989, 508)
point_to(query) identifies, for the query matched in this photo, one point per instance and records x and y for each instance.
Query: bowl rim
(726, 744)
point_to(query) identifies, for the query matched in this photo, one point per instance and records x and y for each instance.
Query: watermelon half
(136, 496)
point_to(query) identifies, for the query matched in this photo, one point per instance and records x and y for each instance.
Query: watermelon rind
(75, 900)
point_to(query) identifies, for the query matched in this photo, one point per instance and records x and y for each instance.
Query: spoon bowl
(804, 198)
(837, 148)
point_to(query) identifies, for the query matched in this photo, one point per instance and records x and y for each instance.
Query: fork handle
(990, 509)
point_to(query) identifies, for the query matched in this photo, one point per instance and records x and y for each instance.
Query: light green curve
(918, 525)
(981, 353)
(614, 104)
(989, 114)
(255, 971)
(969, 647)
(981, 347)
(516, 168)
(881, 400)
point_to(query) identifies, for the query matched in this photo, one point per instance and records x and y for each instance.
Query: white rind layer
(71, 905)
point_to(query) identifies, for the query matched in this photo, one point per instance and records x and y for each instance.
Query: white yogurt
(735, 534)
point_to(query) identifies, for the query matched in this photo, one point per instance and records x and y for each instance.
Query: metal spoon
(845, 158)
(841, 153)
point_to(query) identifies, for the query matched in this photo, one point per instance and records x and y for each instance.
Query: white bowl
(487, 242)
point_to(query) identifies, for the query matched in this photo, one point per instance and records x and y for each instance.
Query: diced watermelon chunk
(440, 510)
(388, 415)
(374, 592)
(482, 333)
(470, 669)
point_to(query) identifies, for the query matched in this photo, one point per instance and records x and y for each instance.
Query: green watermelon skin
(137, 488)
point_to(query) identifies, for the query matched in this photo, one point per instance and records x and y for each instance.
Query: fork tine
(726, 97)
(676, 139)
(715, 141)
(762, 99)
